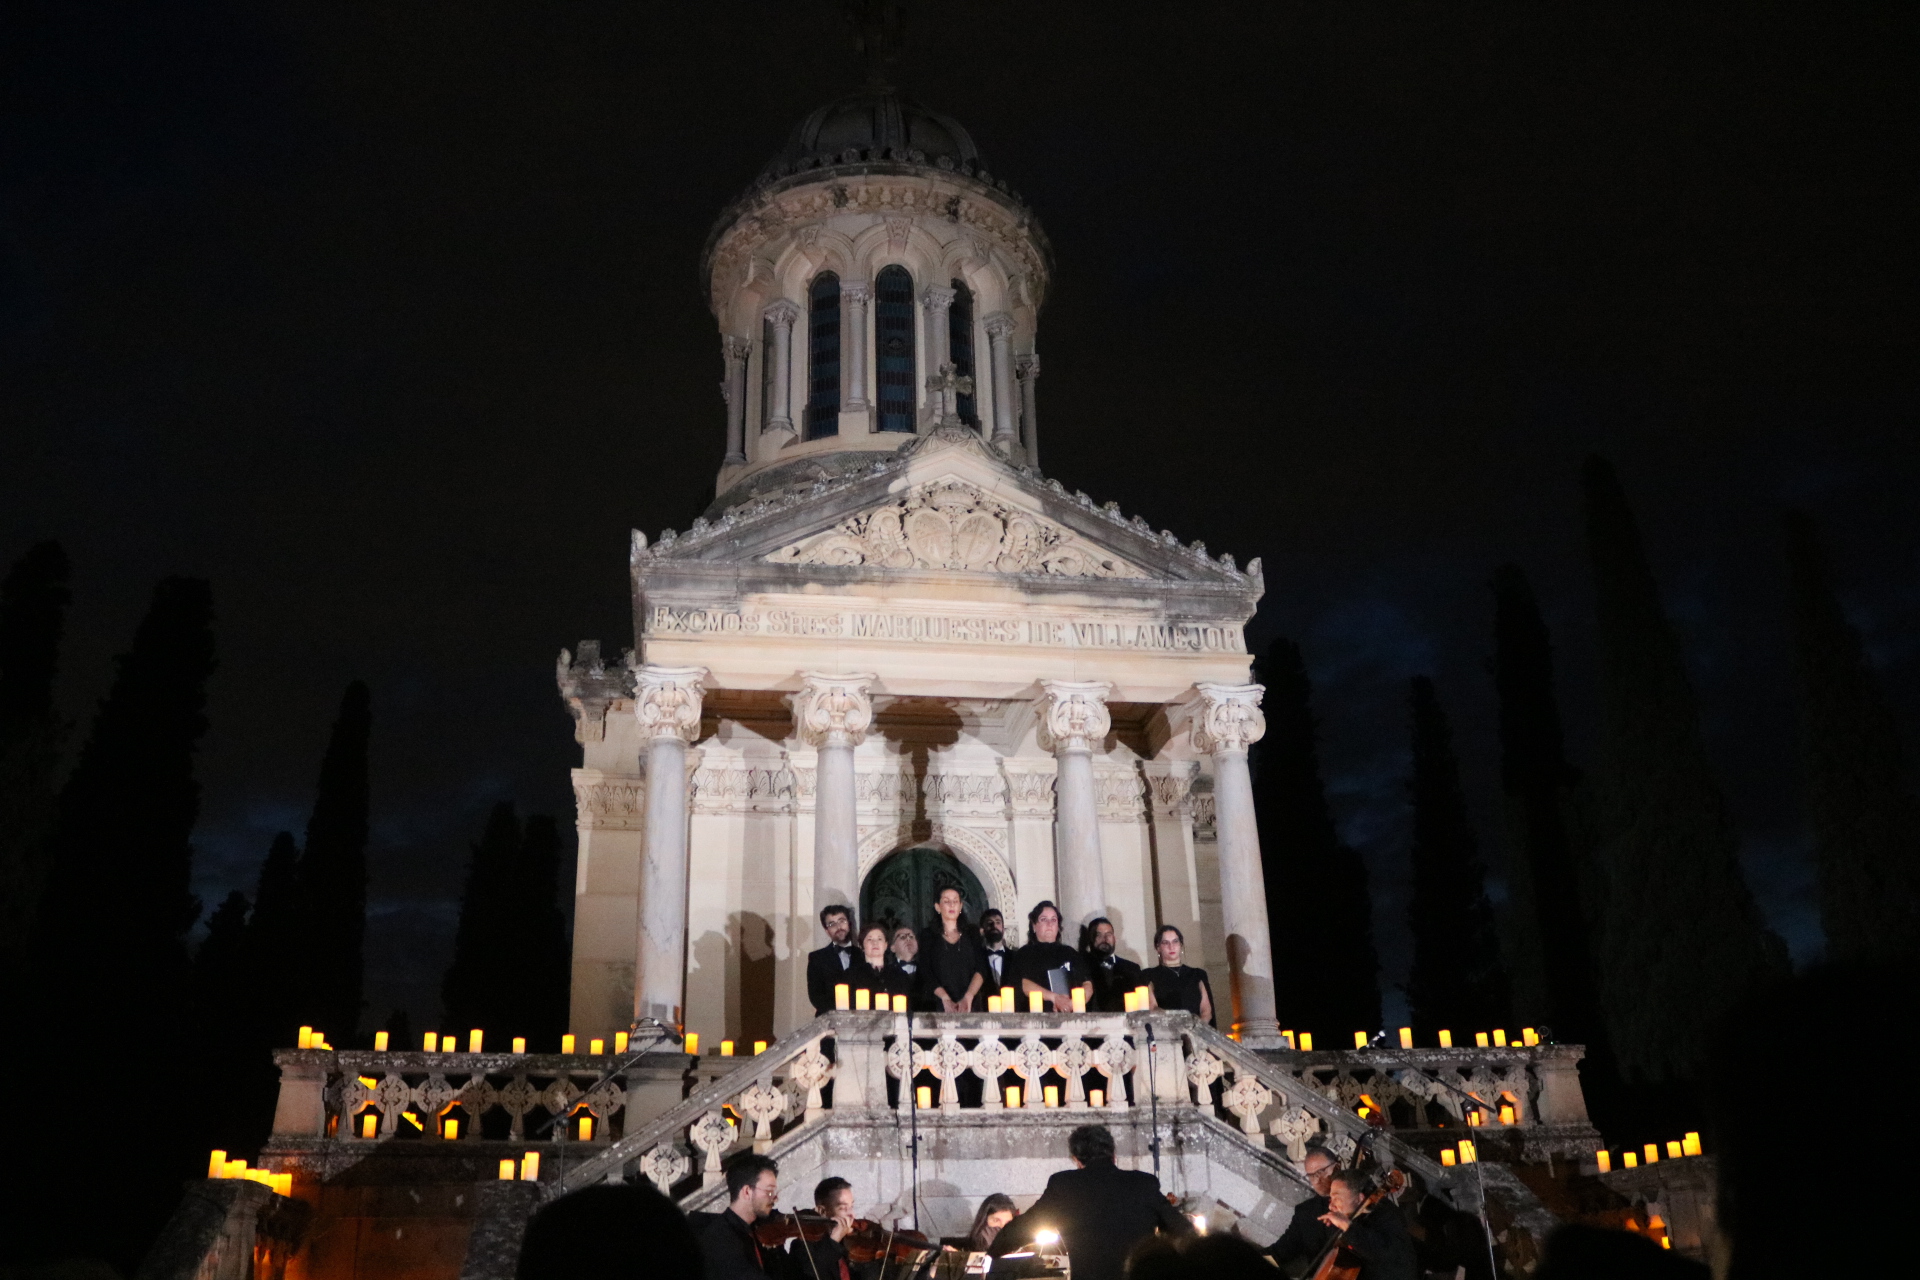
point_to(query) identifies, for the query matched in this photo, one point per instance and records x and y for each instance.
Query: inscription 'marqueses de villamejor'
(946, 628)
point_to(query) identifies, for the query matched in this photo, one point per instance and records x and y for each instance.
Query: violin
(866, 1242)
(1328, 1265)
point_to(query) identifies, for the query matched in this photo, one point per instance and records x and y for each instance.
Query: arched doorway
(902, 886)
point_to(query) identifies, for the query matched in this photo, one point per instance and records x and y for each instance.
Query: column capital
(783, 313)
(1026, 367)
(1073, 714)
(833, 710)
(736, 348)
(998, 325)
(855, 290)
(1226, 717)
(937, 298)
(667, 701)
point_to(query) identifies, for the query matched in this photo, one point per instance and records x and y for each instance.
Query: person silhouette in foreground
(609, 1233)
(1100, 1210)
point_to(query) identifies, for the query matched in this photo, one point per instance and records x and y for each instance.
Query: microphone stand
(658, 1031)
(1153, 1097)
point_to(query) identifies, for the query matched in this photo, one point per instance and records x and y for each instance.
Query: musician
(1376, 1239)
(1100, 1210)
(1045, 954)
(1113, 975)
(1174, 983)
(1306, 1236)
(954, 966)
(727, 1244)
(827, 1259)
(993, 944)
(832, 963)
(874, 971)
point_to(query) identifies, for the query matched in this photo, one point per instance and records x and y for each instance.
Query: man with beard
(833, 963)
(993, 942)
(1306, 1236)
(1113, 976)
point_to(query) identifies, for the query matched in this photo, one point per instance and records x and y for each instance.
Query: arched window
(960, 346)
(893, 342)
(823, 356)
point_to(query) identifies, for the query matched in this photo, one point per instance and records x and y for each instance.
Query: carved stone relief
(610, 804)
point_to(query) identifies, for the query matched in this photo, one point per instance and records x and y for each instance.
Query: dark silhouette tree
(548, 961)
(1680, 937)
(1549, 922)
(33, 608)
(1326, 971)
(1865, 822)
(1457, 981)
(227, 1036)
(274, 939)
(510, 969)
(333, 878)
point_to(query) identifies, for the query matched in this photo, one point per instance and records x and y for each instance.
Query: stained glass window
(960, 347)
(823, 356)
(893, 343)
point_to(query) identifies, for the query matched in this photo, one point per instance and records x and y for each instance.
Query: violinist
(728, 1243)
(826, 1258)
(1375, 1238)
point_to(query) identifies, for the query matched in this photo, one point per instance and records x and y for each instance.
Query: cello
(1328, 1265)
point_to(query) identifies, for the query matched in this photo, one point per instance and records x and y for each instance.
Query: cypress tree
(1457, 981)
(333, 877)
(1866, 825)
(548, 958)
(33, 608)
(1680, 936)
(1326, 971)
(1549, 920)
(481, 985)
(226, 1036)
(274, 938)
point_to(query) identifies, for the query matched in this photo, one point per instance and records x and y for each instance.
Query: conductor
(1100, 1210)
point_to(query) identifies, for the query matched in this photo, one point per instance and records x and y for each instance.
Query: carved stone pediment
(950, 524)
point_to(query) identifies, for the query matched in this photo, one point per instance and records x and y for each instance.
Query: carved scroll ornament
(667, 701)
(1073, 714)
(831, 710)
(1227, 717)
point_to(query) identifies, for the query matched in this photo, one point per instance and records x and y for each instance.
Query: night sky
(387, 320)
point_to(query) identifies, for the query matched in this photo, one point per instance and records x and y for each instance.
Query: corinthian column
(734, 391)
(667, 703)
(1073, 723)
(832, 713)
(781, 316)
(999, 328)
(1027, 370)
(1226, 720)
(855, 293)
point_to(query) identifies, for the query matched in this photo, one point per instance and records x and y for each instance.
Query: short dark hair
(1166, 929)
(744, 1170)
(835, 909)
(1086, 931)
(993, 911)
(870, 926)
(1090, 1142)
(597, 1232)
(828, 1188)
(1354, 1180)
(1045, 904)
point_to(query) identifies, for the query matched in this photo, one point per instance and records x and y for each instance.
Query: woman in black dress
(952, 963)
(871, 972)
(1176, 985)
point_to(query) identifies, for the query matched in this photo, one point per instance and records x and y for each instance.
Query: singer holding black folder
(1048, 965)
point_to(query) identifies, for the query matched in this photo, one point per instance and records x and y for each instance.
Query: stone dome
(876, 123)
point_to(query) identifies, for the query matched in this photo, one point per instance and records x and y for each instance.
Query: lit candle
(566, 1044)
(1446, 1039)
(1653, 1153)
(1529, 1037)
(586, 1128)
(726, 1048)
(283, 1184)
(596, 1047)
(1604, 1159)
(519, 1044)
(1674, 1151)
(1473, 1117)
(1499, 1039)
(1359, 1039)
(1035, 1000)
(306, 1037)
(369, 1124)
(693, 1043)
(1406, 1037)
(448, 1044)
(1306, 1042)
(923, 1096)
(1132, 1001)
(863, 999)
(1096, 1098)
(1628, 1160)
(1480, 1040)
(759, 1047)
(450, 1129)
(1007, 1002)
(1468, 1154)
(899, 1004)
(379, 1042)
(1052, 1095)
(993, 1004)
(620, 1042)
(1690, 1145)
(475, 1038)
(506, 1169)
(1506, 1113)
(1013, 1095)
(1447, 1157)
(1079, 999)
(216, 1163)
(530, 1167)
(842, 996)
(432, 1042)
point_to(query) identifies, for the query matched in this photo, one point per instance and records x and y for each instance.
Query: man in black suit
(1113, 975)
(832, 963)
(726, 1241)
(1306, 1236)
(1101, 1211)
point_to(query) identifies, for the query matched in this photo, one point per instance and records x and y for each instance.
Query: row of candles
(860, 1000)
(1528, 1038)
(218, 1166)
(1676, 1150)
(525, 1169)
(448, 1042)
(450, 1125)
(1011, 1095)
